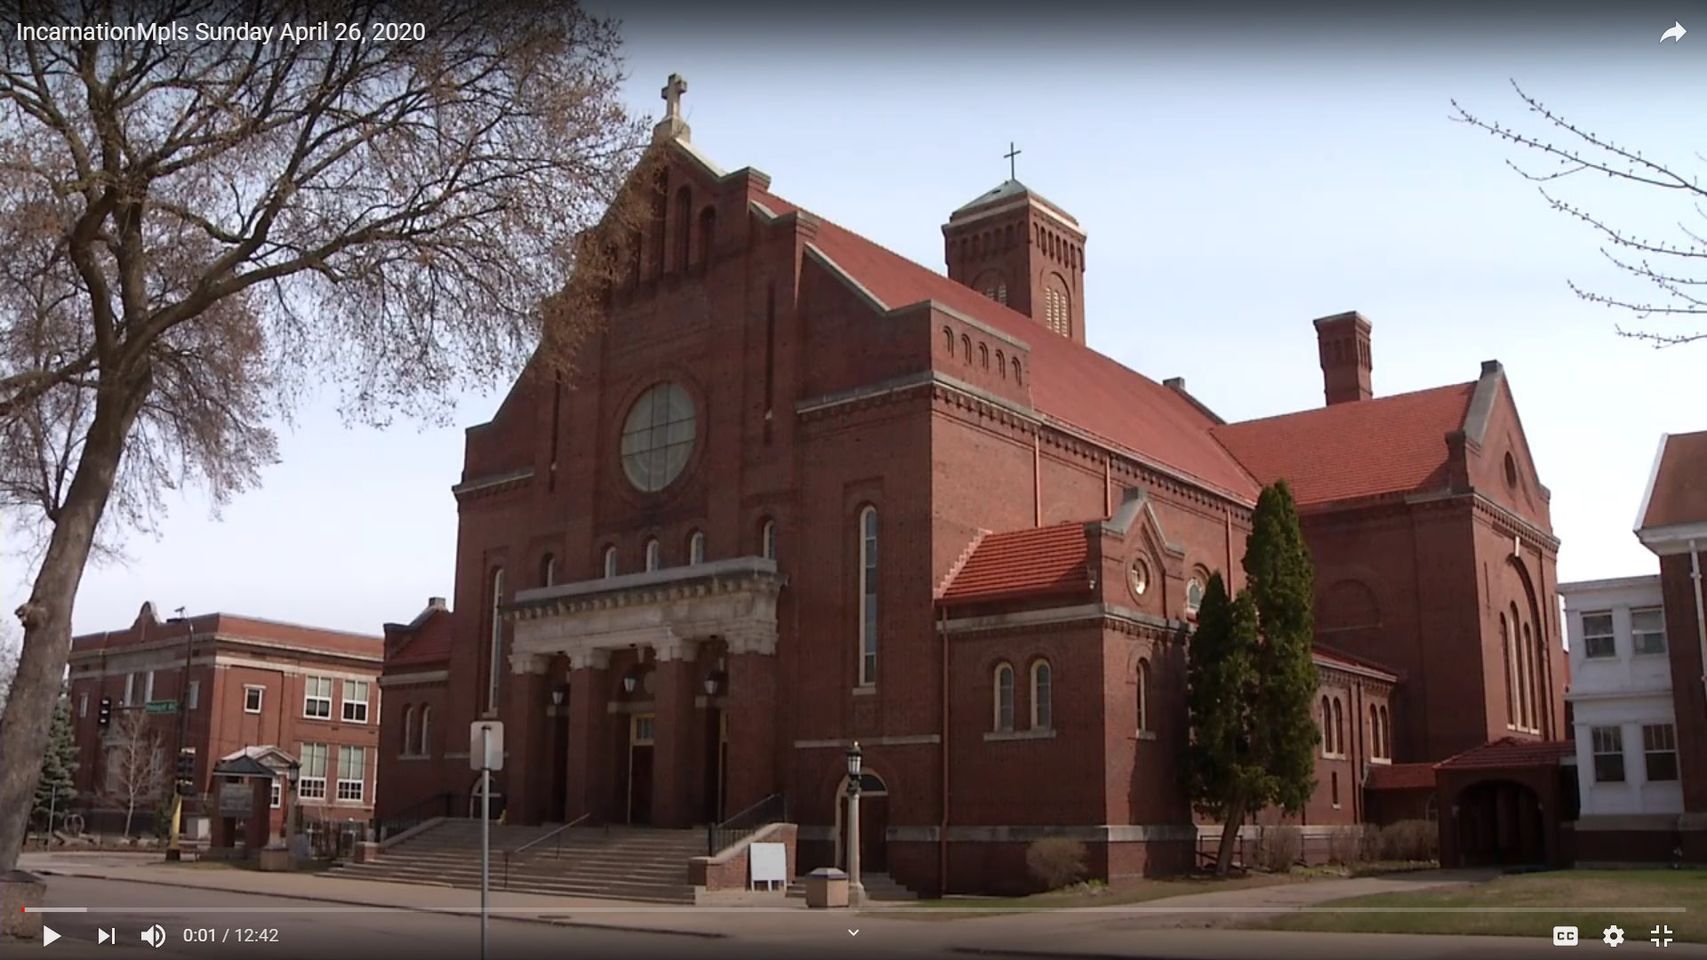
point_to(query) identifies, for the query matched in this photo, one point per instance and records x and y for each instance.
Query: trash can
(826, 887)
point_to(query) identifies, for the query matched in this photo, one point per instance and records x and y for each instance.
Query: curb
(551, 921)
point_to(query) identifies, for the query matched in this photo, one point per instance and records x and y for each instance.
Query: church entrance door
(640, 730)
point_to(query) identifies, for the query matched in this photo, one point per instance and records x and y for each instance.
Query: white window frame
(1614, 748)
(365, 690)
(129, 689)
(1637, 635)
(82, 705)
(767, 540)
(610, 561)
(1610, 636)
(260, 692)
(352, 790)
(696, 548)
(870, 579)
(311, 785)
(148, 687)
(275, 795)
(1143, 696)
(1044, 694)
(408, 748)
(426, 731)
(193, 695)
(1002, 698)
(1648, 752)
(654, 555)
(310, 695)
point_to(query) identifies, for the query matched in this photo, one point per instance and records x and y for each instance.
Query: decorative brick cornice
(492, 484)
(1509, 524)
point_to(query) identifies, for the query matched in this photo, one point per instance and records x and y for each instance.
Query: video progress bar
(543, 911)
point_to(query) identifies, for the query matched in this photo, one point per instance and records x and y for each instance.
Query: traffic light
(186, 765)
(104, 717)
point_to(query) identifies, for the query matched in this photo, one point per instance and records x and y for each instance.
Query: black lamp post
(856, 889)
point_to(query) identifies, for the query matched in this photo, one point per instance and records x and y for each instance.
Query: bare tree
(10, 642)
(196, 230)
(137, 763)
(1678, 267)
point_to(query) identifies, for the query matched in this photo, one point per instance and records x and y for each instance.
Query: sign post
(485, 754)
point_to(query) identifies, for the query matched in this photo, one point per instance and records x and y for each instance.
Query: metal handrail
(715, 833)
(557, 850)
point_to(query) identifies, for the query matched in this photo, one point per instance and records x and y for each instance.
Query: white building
(1620, 698)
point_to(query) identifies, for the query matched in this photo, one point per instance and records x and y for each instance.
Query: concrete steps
(878, 887)
(622, 863)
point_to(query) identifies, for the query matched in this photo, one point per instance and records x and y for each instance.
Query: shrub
(1410, 840)
(1280, 847)
(1347, 845)
(1055, 862)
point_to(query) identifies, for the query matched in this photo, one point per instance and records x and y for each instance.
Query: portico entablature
(668, 610)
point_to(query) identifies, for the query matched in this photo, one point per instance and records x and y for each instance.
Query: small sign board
(486, 745)
(157, 707)
(768, 864)
(236, 799)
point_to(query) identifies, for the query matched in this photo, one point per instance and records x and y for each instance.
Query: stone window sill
(997, 735)
(1144, 735)
(414, 756)
(865, 690)
(1381, 761)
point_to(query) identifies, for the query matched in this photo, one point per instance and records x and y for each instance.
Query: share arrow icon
(1673, 34)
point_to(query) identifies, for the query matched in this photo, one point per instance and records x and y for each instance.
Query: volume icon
(154, 936)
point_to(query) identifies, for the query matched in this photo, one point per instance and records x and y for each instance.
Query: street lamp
(629, 682)
(558, 693)
(292, 773)
(174, 845)
(856, 889)
(713, 683)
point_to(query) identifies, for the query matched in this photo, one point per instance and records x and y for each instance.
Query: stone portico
(666, 670)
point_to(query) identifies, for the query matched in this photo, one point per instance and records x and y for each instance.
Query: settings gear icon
(1613, 935)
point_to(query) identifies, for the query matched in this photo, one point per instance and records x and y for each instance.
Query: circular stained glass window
(1138, 577)
(657, 437)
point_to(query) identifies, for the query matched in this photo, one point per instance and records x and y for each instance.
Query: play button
(48, 935)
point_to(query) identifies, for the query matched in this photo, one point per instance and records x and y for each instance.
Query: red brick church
(802, 491)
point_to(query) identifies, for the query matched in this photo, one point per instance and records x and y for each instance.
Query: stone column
(590, 764)
(751, 712)
(677, 755)
(525, 739)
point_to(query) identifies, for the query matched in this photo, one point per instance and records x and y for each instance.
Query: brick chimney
(1346, 363)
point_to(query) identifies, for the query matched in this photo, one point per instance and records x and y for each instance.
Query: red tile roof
(1336, 658)
(1044, 561)
(1393, 444)
(149, 628)
(1510, 752)
(1070, 383)
(1678, 492)
(1400, 776)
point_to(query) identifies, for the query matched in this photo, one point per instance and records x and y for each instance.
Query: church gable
(1499, 464)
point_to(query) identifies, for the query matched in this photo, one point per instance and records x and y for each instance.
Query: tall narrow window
(408, 731)
(495, 640)
(696, 548)
(1003, 698)
(1334, 780)
(1532, 709)
(1510, 672)
(654, 555)
(352, 773)
(424, 746)
(1042, 696)
(984, 355)
(1386, 733)
(1002, 364)
(1339, 727)
(548, 570)
(868, 596)
(1327, 727)
(683, 226)
(311, 782)
(610, 561)
(1659, 749)
(1143, 696)
(767, 540)
(966, 348)
(1374, 732)
(1608, 744)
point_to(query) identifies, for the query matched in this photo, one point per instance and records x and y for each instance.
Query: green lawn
(1529, 905)
(1122, 891)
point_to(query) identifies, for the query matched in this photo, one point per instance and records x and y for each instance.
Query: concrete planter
(367, 852)
(826, 887)
(17, 891)
(275, 859)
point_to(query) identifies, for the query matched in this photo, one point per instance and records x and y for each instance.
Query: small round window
(1138, 577)
(657, 437)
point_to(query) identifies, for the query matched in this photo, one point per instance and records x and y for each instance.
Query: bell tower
(1018, 249)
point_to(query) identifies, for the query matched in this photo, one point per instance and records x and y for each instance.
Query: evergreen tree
(1281, 583)
(54, 791)
(1226, 771)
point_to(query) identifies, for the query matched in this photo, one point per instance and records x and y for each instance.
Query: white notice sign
(486, 745)
(768, 863)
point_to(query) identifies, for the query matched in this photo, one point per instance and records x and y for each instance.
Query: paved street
(417, 922)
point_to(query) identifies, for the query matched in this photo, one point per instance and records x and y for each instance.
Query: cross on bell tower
(1013, 152)
(672, 127)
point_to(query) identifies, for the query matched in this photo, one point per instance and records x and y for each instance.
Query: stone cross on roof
(672, 94)
(1013, 152)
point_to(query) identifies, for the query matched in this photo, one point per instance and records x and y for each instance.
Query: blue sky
(1236, 181)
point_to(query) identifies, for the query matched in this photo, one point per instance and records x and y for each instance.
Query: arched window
(1002, 698)
(1374, 732)
(1143, 696)
(1016, 371)
(684, 221)
(1534, 679)
(1002, 364)
(948, 340)
(696, 548)
(610, 561)
(1334, 779)
(548, 570)
(1339, 727)
(966, 347)
(495, 642)
(707, 234)
(1506, 653)
(1386, 733)
(654, 555)
(1327, 727)
(1042, 696)
(984, 356)
(767, 540)
(408, 731)
(424, 747)
(868, 596)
